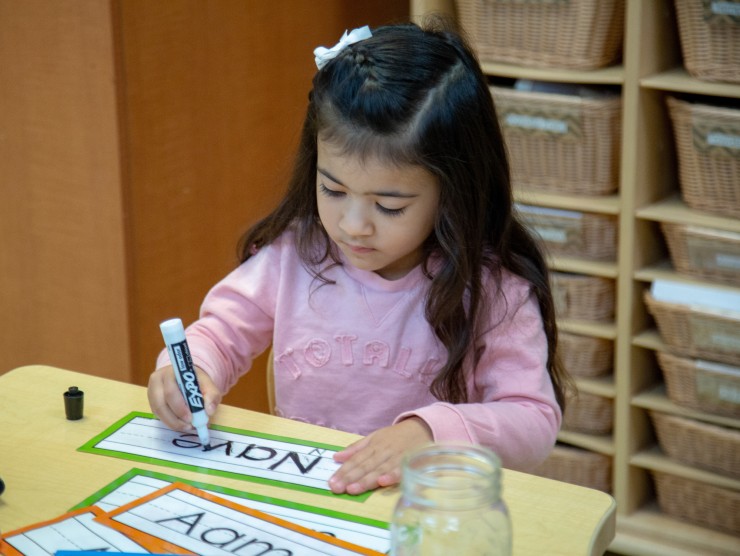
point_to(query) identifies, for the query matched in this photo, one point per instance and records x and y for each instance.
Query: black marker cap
(74, 400)
(2, 486)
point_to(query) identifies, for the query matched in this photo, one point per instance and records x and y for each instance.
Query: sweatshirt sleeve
(514, 411)
(236, 320)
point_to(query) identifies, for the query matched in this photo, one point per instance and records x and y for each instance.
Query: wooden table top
(45, 475)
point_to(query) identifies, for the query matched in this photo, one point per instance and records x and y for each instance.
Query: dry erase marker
(182, 363)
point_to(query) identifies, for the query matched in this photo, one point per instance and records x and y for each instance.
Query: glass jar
(451, 504)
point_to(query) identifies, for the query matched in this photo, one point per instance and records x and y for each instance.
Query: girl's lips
(358, 248)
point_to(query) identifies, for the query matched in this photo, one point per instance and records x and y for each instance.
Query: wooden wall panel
(138, 140)
(63, 294)
(214, 100)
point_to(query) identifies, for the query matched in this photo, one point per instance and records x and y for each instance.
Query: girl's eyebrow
(381, 193)
(328, 175)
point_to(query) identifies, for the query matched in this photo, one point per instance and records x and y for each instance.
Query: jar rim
(442, 448)
(474, 459)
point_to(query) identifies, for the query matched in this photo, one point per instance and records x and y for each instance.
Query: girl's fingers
(211, 394)
(351, 450)
(375, 460)
(167, 401)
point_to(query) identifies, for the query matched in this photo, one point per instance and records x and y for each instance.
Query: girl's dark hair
(417, 96)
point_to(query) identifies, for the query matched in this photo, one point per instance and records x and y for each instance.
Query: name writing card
(188, 520)
(75, 530)
(240, 454)
(138, 483)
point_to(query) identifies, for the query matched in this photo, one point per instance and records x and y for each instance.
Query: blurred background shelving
(651, 69)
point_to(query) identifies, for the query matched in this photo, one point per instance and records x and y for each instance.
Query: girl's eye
(329, 192)
(334, 194)
(391, 212)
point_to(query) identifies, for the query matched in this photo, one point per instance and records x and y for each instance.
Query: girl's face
(378, 214)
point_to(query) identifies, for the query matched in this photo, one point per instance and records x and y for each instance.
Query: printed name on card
(185, 520)
(240, 454)
(137, 483)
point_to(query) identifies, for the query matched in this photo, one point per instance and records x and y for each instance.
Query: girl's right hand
(168, 403)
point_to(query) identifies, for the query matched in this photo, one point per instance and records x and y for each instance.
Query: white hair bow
(323, 54)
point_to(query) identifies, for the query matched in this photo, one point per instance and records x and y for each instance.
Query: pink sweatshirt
(359, 355)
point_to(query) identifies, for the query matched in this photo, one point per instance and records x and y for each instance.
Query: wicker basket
(700, 503)
(710, 39)
(699, 444)
(578, 467)
(585, 356)
(699, 386)
(704, 253)
(590, 414)
(577, 34)
(708, 145)
(561, 143)
(693, 332)
(582, 297)
(578, 234)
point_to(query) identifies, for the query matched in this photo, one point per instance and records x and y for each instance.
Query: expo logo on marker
(195, 398)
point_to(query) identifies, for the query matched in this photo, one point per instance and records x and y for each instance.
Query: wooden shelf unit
(648, 194)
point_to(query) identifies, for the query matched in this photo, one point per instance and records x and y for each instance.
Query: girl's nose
(355, 221)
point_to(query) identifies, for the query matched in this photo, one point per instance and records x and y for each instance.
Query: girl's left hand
(375, 461)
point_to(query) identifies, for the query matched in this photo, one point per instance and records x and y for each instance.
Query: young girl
(402, 298)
